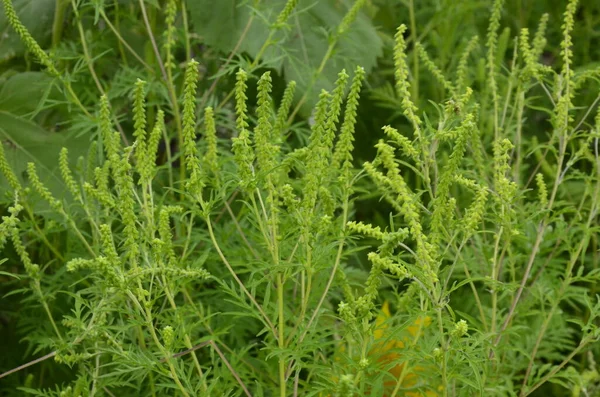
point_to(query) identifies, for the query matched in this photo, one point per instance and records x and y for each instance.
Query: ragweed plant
(202, 247)
(530, 260)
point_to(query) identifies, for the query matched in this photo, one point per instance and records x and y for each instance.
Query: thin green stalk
(168, 82)
(281, 341)
(413, 36)
(58, 23)
(148, 317)
(186, 337)
(169, 159)
(329, 281)
(317, 73)
(405, 366)
(90, 64)
(118, 27)
(559, 367)
(256, 60)
(122, 41)
(444, 345)
(237, 279)
(566, 282)
(186, 34)
(495, 276)
(39, 292)
(540, 234)
(457, 257)
(518, 136)
(213, 86)
(42, 235)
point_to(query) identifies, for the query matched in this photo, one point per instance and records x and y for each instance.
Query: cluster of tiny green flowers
(335, 107)
(32, 269)
(342, 155)
(567, 42)
(108, 245)
(581, 77)
(460, 329)
(463, 64)
(148, 168)
(314, 163)
(72, 358)
(492, 41)
(170, 13)
(285, 13)
(367, 230)
(326, 201)
(531, 55)
(364, 306)
(27, 39)
(505, 188)
(542, 190)
(565, 81)
(266, 151)
(402, 142)
(41, 189)
(350, 16)
(106, 270)
(463, 100)
(164, 231)
(345, 386)
(139, 124)
(321, 140)
(101, 192)
(7, 171)
(91, 160)
(434, 69)
(10, 222)
(288, 198)
(282, 113)
(389, 265)
(356, 310)
(539, 40)
(392, 239)
(346, 312)
(110, 139)
(474, 214)
(168, 336)
(139, 111)
(126, 204)
(531, 66)
(405, 203)
(402, 83)
(10, 228)
(192, 164)
(441, 202)
(241, 145)
(139, 273)
(66, 174)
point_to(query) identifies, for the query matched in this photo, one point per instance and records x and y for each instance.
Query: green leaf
(24, 141)
(299, 50)
(22, 93)
(36, 15)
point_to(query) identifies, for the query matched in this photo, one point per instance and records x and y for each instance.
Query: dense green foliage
(226, 198)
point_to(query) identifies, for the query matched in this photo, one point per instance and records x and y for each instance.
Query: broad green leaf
(22, 93)
(24, 142)
(300, 49)
(36, 15)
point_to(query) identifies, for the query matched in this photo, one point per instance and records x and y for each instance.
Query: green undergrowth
(165, 232)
